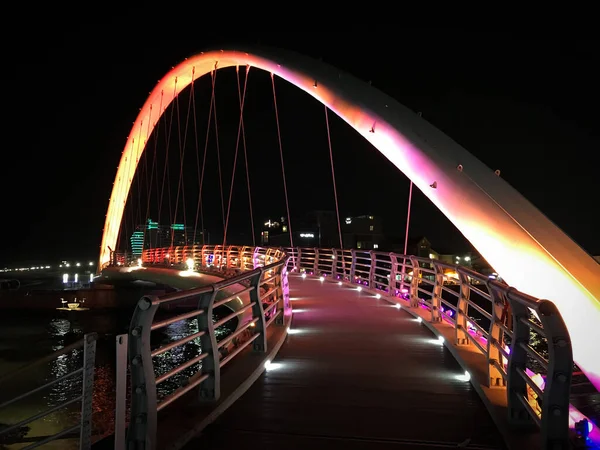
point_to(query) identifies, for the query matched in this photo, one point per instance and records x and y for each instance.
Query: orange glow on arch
(522, 245)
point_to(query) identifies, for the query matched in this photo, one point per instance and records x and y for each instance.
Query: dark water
(26, 337)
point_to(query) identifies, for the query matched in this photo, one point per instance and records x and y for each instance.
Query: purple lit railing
(506, 326)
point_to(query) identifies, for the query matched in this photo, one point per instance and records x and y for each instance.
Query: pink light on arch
(526, 248)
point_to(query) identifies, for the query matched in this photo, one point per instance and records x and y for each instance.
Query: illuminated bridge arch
(524, 246)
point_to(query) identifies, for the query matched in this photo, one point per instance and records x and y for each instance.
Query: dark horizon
(526, 107)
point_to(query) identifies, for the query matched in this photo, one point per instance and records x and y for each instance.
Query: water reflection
(27, 337)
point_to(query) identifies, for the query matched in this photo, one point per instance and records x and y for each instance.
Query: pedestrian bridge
(337, 348)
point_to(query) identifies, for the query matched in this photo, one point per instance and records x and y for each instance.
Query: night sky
(526, 107)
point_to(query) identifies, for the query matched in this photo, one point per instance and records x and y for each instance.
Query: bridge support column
(495, 340)
(436, 295)
(555, 402)
(461, 328)
(210, 389)
(414, 283)
(142, 427)
(554, 421)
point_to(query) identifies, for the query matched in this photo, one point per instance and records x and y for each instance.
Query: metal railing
(261, 288)
(86, 370)
(502, 323)
(506, 326)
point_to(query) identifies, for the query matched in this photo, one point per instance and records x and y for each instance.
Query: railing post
(352, 265)
(299, 259)
(142, 425)
(393, 274)
(372, 264)
(316, 262)
(284, 304)
(414, 283)
(461, 328)
(210, 389)
(495, 336)
(285, 291)
(334, 267)
(260, 343)
(255, 255)
(121, 392)
(89, 359)
(518, 415)
(555, 401)
(436, 295)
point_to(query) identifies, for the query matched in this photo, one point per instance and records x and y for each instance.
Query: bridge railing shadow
(228, 317)
(524, 340)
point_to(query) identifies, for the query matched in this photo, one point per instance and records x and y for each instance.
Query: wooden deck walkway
(356, 373)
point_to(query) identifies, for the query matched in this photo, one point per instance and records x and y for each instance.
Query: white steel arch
(523, 245)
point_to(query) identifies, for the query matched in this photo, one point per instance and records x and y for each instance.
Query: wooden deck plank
(355, 373)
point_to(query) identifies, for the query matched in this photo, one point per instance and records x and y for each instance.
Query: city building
(137, 243)
(363, 232)
(154, 235)
(314, 229)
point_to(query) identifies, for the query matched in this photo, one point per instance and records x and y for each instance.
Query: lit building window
(371, 228)
(137, 243)
(375, 245)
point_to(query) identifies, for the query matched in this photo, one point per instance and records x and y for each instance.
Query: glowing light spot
(397, 306)
(272, 366)
(464, 377)
(419, 320)
(321, 278)
(190, 264)
(378, 296)
(441, 339)
(304, 275)
(339, 283)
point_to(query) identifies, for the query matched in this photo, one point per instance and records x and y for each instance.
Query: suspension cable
(152, 167)
(337, 208)
(218, 148)
(237, 146)
(166, 168)
(335, 195)
(246, 163)
(181, 157)
(199, 209)
(156, 137)
(138, 180)
(147, 175)
(124, 217)
(287, 203)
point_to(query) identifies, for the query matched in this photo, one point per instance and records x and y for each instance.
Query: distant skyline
(526, 107)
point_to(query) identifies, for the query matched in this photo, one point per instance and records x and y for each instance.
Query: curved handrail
(264, 281)
(495, 319)
(511, 320)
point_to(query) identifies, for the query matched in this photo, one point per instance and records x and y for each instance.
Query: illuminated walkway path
(355, 373)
